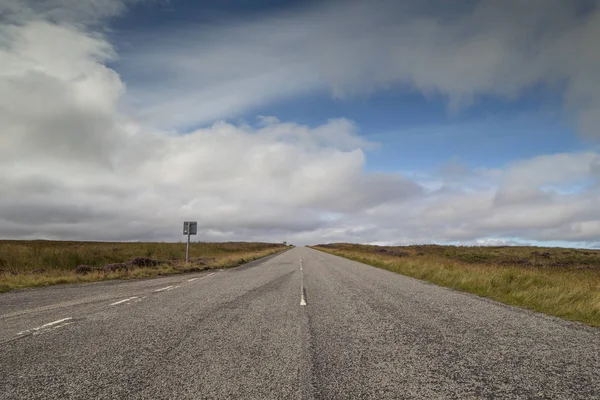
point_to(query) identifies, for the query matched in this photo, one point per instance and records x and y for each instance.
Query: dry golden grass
(41, 263)
(559, 282)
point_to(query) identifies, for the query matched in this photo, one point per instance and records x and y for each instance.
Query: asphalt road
(354, 332)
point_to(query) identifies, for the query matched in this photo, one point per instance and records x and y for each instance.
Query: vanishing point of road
(299, 325)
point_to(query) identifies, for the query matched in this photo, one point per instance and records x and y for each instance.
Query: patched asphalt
(364, 333)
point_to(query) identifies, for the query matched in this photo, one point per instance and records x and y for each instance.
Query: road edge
(524, 310)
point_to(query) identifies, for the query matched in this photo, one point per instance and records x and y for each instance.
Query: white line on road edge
(165, 288)
(48, 325)
(123, 301)
(204, 277)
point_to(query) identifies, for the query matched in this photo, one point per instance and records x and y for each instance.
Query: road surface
(300, 325)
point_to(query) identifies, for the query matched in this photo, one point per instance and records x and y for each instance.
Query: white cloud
(555, 169)
(73, 165)
(519, 206)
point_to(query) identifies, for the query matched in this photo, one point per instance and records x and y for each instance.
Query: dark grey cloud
(62, 11)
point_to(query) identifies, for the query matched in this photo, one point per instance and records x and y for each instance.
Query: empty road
(300, 325)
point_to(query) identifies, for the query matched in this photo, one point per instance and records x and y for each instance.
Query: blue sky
(386, 122)
(416, 131)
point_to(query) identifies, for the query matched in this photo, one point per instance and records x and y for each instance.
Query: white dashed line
(165, 288)
(123, 301)
(302, 299)
(48, 325)
(204, 277)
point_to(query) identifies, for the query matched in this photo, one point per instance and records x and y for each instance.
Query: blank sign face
(190, 227)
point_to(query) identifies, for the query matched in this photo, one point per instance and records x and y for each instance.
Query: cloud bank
(464, 53)
(83, 156)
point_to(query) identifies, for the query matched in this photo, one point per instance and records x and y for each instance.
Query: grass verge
(560, 282)
(43, 263)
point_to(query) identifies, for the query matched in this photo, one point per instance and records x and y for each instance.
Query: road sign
(189, 228)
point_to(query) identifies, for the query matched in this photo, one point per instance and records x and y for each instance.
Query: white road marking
(48, 325)
(302, 299)
(123, 301)
(204, 277)
(165, 288)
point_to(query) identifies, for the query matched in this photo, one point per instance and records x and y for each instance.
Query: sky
(384, 122)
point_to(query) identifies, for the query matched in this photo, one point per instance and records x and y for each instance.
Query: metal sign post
(187, 250)
(189, 228)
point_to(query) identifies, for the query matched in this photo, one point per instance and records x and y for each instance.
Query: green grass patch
(43, 263)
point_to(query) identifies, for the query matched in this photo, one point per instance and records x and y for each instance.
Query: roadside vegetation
(556, 281)
(41, 263)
